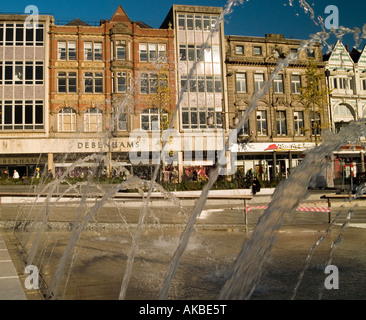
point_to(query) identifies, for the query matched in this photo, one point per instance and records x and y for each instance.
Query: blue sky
(252, 18)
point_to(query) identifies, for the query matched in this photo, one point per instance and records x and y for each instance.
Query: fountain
(244, 275)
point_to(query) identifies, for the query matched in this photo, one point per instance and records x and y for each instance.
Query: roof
(77, 22)
(143, 25)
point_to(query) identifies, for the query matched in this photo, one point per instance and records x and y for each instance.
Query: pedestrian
(15, 175)
(256, 187)
(50, 174)
(37, 173)
(194, 175)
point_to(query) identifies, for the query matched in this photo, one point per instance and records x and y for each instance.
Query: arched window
(151, 119)
(343, 110)
(66, 120)
(93, 120)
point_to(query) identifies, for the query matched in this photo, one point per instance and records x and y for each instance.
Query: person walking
(256, 187)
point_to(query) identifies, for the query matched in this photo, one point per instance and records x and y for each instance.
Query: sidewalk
(10, 286)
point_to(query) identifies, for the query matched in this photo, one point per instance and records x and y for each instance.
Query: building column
(362, 156)
(180, 165)
(108, 166)
(50, 163)
(274, 165)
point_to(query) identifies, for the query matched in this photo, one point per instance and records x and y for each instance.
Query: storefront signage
(110, 145)
(20, 161)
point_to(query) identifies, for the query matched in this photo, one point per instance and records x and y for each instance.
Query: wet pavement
(98, 261)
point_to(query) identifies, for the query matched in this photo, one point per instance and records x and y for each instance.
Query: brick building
(103, 83)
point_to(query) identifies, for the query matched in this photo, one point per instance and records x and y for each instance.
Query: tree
(315, 94)
(161, 100)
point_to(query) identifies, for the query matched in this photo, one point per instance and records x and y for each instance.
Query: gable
(120, 16)
(362, 60)
(340, 58)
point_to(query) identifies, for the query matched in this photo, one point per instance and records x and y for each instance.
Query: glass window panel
(143, 52)
(72, 50)
(39, 113)
(121, 53)
(9, 34)
(181, 22)
(198, 22)
(61, 50)
(153, 51)
(98, 51)
(189, 22)
(28, 114)
(88, 51)
(183, 52)
(29, 36)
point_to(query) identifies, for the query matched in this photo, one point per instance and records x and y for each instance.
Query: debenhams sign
(108, 145)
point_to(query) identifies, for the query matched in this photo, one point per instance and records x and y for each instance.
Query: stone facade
(281, 123)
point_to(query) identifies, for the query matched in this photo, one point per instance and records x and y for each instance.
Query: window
(296, 83)
(202, 83)
(66, 120)
(93, 51)
(299, 123)
(88, 51)
(197, 118)
(66, 82)
(315, 123)
(189, 22)
(93, 120)
(123, 121)
(244, 129)
(278, 84)
(342, 83)
(310, 53)
(1, 34)
(61, 50)
(148, 83)
(150, 119)
(121, 52)
(206, 23)
(93, 82)
(198, 22)
(9, 34)
(262, 123)
(257, 51)
(152, 51)
(18, 34)
(72, 50)
(241, 82)
(258, 81)
(363, 82)
(98, 51)
(181, 22)
(21, 115)
(22, 72)
(343, 111)
(121, 82)
(281, 123)
(191, 52)
(66, 50)
(239, 50)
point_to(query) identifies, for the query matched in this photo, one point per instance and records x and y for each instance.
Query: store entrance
(22, 170)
